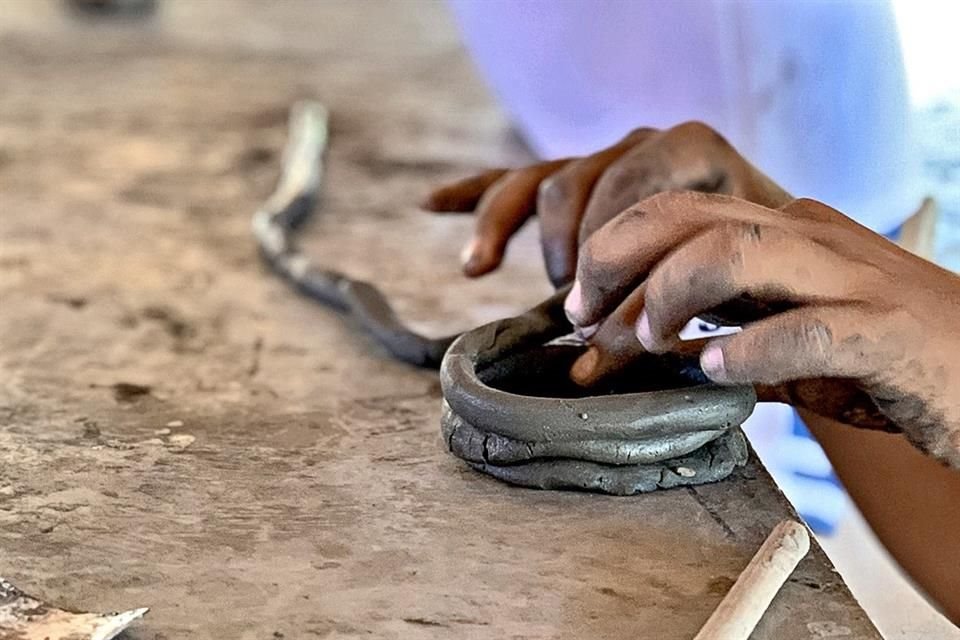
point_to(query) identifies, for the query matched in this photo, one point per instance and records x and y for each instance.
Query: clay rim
(623, 416)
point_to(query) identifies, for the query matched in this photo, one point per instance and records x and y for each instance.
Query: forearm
(911, 501)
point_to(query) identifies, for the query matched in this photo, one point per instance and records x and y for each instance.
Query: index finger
(622, 253)
(617, 258)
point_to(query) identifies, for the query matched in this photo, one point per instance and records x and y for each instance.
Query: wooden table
(179, 431)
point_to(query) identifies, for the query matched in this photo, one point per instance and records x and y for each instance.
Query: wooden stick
(750, 596)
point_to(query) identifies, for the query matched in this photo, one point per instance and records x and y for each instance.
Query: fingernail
(573, 305)
(471, 258)
(585, 333)
(643, 331)
(711, 361)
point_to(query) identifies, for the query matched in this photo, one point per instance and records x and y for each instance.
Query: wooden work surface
(282, 477)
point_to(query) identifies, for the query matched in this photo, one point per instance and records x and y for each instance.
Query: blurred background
(832, 99)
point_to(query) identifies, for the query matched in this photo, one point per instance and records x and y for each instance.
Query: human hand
(576, 196)
(836, 318)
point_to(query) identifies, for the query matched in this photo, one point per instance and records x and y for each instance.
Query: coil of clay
(658, 425)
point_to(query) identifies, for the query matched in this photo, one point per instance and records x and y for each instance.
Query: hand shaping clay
(509, 409)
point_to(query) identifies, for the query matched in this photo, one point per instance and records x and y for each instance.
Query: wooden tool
(750, 596)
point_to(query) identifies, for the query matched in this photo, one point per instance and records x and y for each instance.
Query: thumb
(809, 342)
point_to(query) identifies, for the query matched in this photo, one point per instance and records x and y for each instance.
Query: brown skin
(575, 197)
(837, 319)
(839, 322)
(832, 300)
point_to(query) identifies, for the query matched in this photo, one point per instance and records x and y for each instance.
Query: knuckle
(618, 187)
(813, 210)
(553, 192)
(664, 208)
(727, 255)
(810, 203)
(627, 221)
(501, 184)
(814, 337)
(622, 176)
(587, 262)
(640, 134)
(807, 203)
(744, 244)
(593, 265)
(659, 284)
(660, 301)
(697, 131)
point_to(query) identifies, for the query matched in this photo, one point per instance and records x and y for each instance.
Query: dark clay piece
(509, 407)
(712, 462)
(630, 436)
(466, 379)
(289, 206)
(474, 445)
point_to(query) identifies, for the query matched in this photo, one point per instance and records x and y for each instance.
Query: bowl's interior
(543, 372)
